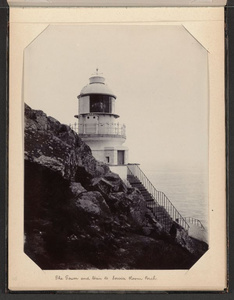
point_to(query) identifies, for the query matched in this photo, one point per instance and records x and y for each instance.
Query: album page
(117, 149)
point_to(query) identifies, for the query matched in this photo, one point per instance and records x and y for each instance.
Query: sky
(159, 74)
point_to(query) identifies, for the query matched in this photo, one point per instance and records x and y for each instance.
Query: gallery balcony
(100, 129)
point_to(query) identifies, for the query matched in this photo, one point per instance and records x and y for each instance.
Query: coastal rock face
(80, 215)
(56, 146)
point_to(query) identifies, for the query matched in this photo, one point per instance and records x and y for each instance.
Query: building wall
(101, 153)
(96, 142)
(109, 155)
(120, 170)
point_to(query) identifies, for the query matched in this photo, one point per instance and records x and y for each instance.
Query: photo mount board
(201, 23)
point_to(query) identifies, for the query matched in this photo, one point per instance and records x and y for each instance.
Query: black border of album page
(4, 293)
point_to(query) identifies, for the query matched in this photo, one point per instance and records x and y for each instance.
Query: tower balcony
(100, 129)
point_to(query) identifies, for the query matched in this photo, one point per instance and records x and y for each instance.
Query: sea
(186, 189)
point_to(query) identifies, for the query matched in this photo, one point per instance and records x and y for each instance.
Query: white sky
(159, 74)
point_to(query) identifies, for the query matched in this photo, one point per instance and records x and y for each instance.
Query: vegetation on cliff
(80, 215)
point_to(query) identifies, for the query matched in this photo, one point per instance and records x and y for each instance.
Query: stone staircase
(136, 183)
(160, 213)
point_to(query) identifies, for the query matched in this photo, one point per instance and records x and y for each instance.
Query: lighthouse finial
(97, 72)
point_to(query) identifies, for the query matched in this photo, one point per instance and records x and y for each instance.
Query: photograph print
(115, 148)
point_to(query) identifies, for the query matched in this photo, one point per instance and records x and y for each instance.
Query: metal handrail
(194, 221)
(159, 197)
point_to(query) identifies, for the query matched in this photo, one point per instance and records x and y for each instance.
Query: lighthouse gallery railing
(100, 128)
(159, 197)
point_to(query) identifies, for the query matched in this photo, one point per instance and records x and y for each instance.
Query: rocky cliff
(80, 215)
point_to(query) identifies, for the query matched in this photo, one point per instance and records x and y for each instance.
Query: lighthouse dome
(96, 86)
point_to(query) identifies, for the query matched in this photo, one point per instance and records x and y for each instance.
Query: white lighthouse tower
(99, 126)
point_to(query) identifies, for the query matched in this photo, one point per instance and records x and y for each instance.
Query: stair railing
(194, 221)
(159, 197)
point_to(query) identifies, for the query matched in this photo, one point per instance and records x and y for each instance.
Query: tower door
(120, 157)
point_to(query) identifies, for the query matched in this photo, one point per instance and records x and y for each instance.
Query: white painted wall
(99, 155)
(120, 170)
(110, 152)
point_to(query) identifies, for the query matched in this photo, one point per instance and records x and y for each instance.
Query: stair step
(135, 184)
(161, 216)
(161, 213)
(134, 180)
(146, 194)
(142, 189)
(131, 177)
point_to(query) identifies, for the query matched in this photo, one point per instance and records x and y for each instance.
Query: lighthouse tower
(99, 126)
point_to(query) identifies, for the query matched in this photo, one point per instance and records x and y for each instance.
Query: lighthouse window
(100, 103)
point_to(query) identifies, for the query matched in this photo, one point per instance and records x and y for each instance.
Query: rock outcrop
(80, 215)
